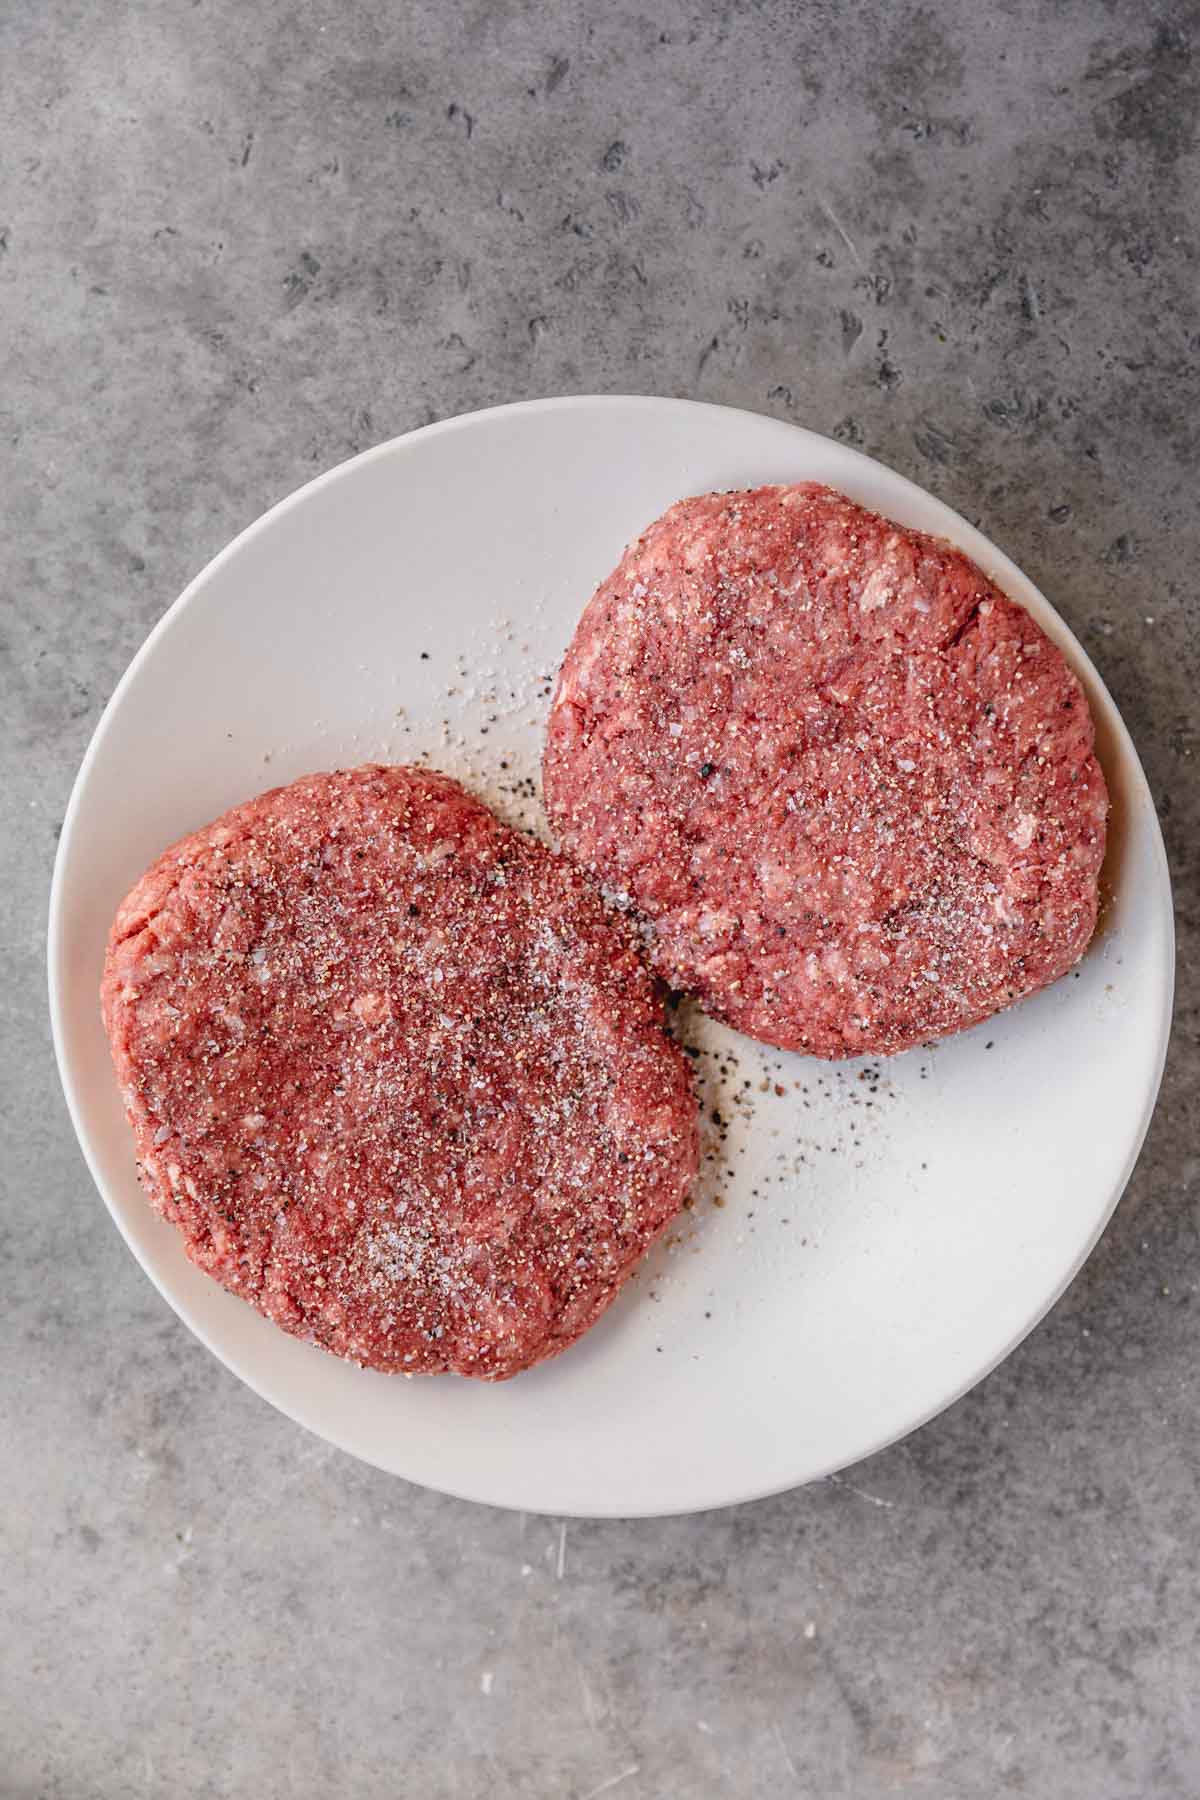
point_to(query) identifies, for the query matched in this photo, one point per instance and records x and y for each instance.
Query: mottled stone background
(238, 242)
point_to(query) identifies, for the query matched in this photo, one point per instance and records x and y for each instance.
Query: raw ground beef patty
(396, 1074)
(848, 785)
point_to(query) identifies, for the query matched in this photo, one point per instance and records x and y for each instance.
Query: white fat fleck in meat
(716, 924)
(878, 590)
(775, 879)
(835, 965)
(372, 1008)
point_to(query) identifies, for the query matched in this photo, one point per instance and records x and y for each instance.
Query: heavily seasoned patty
(395, 1072)
(847, 783)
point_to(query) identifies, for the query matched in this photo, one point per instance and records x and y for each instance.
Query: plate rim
(999, 565)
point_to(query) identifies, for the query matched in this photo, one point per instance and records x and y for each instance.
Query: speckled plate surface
(868, 1240)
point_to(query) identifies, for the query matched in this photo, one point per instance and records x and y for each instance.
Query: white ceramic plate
(867, 1262)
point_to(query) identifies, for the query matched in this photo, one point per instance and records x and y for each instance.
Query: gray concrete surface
(240, 241)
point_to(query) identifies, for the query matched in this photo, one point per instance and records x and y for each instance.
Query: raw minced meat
(849, 786)
(395, 1072)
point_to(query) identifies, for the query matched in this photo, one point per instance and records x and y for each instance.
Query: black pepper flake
(707, 769)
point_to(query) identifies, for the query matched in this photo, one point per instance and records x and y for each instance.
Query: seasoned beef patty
(847, 783)
(395, 1072)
